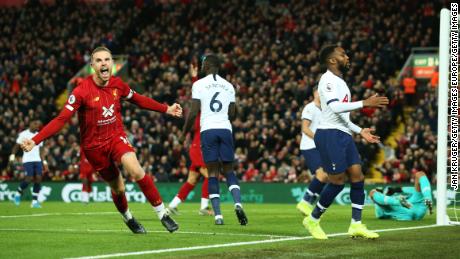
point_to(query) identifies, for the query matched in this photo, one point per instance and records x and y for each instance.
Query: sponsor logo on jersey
(108, 112)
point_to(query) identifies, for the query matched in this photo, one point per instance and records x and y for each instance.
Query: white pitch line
(70, 214)
(57, 214)
(150, 231)
(232, 244)
(227, 234)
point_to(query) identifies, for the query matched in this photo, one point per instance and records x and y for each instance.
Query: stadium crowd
(269, 51)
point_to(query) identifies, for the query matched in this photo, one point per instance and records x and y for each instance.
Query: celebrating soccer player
(215, 98)
(103, 140)
(333, 138)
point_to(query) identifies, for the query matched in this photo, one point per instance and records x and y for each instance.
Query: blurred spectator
(268, 51)
(409, 83)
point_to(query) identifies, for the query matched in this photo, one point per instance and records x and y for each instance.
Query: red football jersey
(196, 142)
(196, 132)
(99, 111)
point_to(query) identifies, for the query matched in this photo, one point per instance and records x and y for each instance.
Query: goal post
(447, 149)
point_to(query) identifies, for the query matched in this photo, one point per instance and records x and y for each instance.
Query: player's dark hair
(211, 64)
(325, 52)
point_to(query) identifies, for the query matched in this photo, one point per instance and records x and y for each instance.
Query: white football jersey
(312, 113)
(215, 97)
(332, 88)
(34, 154)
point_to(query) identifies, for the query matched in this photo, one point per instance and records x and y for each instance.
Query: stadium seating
(269, 51)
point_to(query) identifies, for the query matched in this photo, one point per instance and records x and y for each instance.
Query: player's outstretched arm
(376, 101)
(194, 109)
(174, 110)
(53, 126)
(366, 133)
(373, 101)
(150, 104)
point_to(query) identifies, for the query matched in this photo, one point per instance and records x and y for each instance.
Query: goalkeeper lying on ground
(406, 203)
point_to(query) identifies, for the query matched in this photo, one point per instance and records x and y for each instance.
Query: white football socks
(160, 210)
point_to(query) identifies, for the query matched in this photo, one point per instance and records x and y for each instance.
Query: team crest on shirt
(328, 87)
(71, 99)
(96, 99)
(115, 93)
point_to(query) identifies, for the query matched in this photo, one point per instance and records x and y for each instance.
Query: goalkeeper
(406, 203)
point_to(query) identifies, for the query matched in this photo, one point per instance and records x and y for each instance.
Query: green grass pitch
(61, 230)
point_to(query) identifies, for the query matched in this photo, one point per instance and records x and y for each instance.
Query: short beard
(344, 68)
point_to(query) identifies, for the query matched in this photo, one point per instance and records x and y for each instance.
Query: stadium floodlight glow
(448, 195)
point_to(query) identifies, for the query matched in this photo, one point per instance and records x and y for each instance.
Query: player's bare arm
(13, 153)
(366, 133)
(42, 156)
(194, 109)
(232, 111)
(175, 110)
(306, 128)
(376, 101)
(27, 145)
(193, 70)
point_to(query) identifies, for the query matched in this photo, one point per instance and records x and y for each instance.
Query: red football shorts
(196, 157)
(103, 159)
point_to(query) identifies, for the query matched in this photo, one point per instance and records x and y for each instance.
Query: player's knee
(321, 175)
(118, 189)
(192, 178)
(356, 174)
(356, 178)
(213, 169)
(227, 166)
(337, 179)
(137, 173)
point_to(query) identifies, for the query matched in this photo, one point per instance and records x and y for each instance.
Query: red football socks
(204, 189)
(150, 190)
(120, 202)
(184, 190)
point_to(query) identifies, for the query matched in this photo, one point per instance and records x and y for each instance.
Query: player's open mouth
(104, 71)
